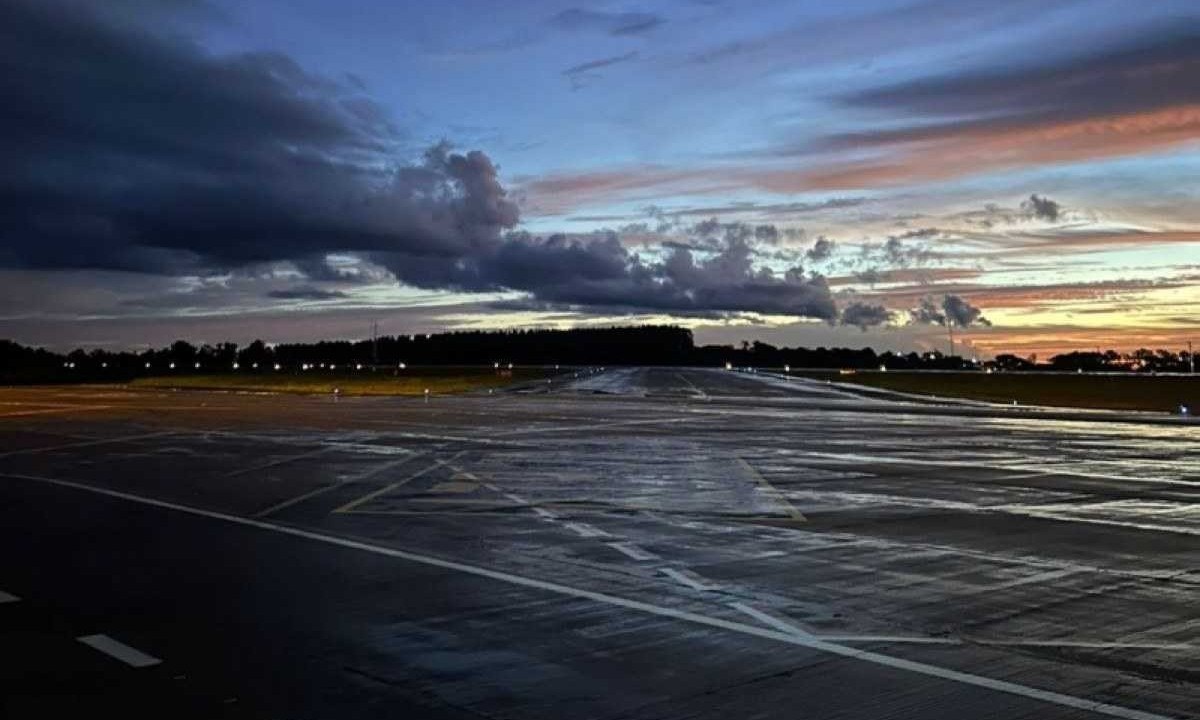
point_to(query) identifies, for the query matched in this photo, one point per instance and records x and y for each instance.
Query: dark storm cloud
(821, 250)
(1159, 68)
(123, 150)
(864, 315)
(611, 23)
(962, 313)
(1042, 208)
(602, 272)
(952, 311)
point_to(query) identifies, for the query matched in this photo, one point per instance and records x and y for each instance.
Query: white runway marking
(7, 598)
(584, 530)
(545, 514)
(128, 655)
(632, 551)
(770, 620)
(816, 644)
(680, 577)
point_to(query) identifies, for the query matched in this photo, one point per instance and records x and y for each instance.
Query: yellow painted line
(348, 507)
(772, 491)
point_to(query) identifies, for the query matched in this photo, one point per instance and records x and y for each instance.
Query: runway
(632, 543)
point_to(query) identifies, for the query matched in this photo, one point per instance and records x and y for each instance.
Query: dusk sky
(805, 173)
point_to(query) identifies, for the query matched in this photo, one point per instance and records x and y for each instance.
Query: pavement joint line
(283, 461)
(772, 490)
(685, 579)
(816, 644)
(6, 598)
(902, 639)
(584, 530)
(812, 455)
(340, 484)
(118, 650)
(349, 507)
(692, 385)
(86, 443)
(592, 427)
(633, 551)
(771, 620)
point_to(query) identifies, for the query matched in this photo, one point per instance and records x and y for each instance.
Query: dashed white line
(545, 514)
(770, 620)
(119, 650)
(7, 598)
(685, 579)
(632, 551)
(920, 668)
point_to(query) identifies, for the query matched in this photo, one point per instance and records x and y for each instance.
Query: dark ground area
(637, 543)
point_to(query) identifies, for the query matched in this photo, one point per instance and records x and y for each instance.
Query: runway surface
(632, 543)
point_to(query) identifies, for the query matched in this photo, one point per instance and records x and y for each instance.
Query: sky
(802, 173)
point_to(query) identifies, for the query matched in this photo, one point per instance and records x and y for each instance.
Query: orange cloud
(952, 151)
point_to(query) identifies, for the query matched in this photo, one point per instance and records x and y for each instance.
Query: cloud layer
(126, 151)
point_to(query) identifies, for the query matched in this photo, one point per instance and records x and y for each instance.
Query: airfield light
(728, 365)
(496, 366)
(277, 366)
(171, 366)
(787, 368)
(322, 366)
(254, 366)
(883, 368)
(332, 367)
(1183, 409)
(197, 366)
(403, 366)
(236, 366)
(358, 366)
(147, 366)
(103, 364)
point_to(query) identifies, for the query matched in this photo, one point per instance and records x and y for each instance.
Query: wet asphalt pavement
(635, 543)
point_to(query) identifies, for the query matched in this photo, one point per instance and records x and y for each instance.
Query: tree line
(636, 345)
